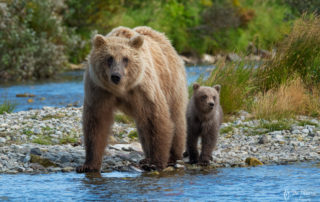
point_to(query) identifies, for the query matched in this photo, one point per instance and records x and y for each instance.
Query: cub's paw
(204, 163)
(193, 161)
(87, 169)
(185, 154)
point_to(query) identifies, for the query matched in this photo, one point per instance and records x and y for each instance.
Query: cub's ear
(217, 87)
(136, 41)
(196, 86)
(98, 41)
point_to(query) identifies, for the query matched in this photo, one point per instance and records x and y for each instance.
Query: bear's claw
(86, 169)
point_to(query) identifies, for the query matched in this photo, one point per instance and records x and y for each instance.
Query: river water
(68, 90)
(296, 182)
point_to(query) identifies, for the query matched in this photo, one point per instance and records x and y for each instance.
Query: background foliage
(38, 38)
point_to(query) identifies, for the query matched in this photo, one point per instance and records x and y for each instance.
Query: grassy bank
(283, 87)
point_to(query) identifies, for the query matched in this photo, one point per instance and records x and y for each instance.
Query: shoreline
(49, 140)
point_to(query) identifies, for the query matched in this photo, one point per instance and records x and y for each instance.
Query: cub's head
(115, 63)
(206, 98)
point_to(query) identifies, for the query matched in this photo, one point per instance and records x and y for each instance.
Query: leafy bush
(304, 6)
(33, 41)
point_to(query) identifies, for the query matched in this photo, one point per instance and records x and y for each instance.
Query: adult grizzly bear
(138, 72)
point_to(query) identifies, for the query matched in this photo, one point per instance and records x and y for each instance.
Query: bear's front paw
(205, 160)
(87, 169)
(193, 161)
(185, 154)
(146, 165)
(204, 163)
(145, 161)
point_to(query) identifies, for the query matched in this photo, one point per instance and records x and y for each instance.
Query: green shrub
(304, 6)
(33, 40)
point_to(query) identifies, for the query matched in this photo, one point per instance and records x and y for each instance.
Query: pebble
(35, 151)
(263, 139)
(2, 140)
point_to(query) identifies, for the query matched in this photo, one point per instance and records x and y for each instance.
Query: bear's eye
(214, 97)
(110, 61)
(204, 97)
(125, 61)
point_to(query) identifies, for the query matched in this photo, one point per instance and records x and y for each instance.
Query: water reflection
(265, 183)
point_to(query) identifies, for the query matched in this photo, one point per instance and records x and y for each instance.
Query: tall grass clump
(298, 54)
(236, 82)
(7, 107)
(290, 99)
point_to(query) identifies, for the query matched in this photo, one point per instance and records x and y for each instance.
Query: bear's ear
(98, 41)
(136, 41)
(217, 87)
(196, 86)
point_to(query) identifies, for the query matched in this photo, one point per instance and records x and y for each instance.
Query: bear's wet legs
(96, 127)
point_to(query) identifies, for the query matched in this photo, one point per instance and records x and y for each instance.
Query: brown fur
(204, 117)
(151, 88)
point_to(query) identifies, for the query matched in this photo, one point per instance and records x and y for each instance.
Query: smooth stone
(35, 151)
(67, 169)
(296, 131)
(65, 159)
(2, 140)
(263, 139)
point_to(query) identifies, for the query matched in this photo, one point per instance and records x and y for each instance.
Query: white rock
(2, 140)
(276, 133)
(296, 132)
(306, 131)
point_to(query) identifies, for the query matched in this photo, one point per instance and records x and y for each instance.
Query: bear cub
(204, 117)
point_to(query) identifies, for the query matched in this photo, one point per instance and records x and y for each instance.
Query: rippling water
(68, 90)
(266, 183)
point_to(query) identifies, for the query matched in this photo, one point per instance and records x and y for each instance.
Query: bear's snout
(115, 78)
(211, 104)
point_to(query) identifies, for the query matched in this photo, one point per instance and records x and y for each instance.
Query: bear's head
(115, 63)
(206, 98)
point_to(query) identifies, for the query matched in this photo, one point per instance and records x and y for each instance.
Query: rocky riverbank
(49, 140)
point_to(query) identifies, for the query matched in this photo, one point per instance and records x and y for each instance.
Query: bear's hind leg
(179, 139)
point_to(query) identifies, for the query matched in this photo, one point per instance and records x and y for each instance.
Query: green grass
(53, 116)
(7, 107)
(43, 140)
(226, 129)
(275, 125)
(133, 135)
(307, 122)
(27, 132)
(67, 140)
(122, 118)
